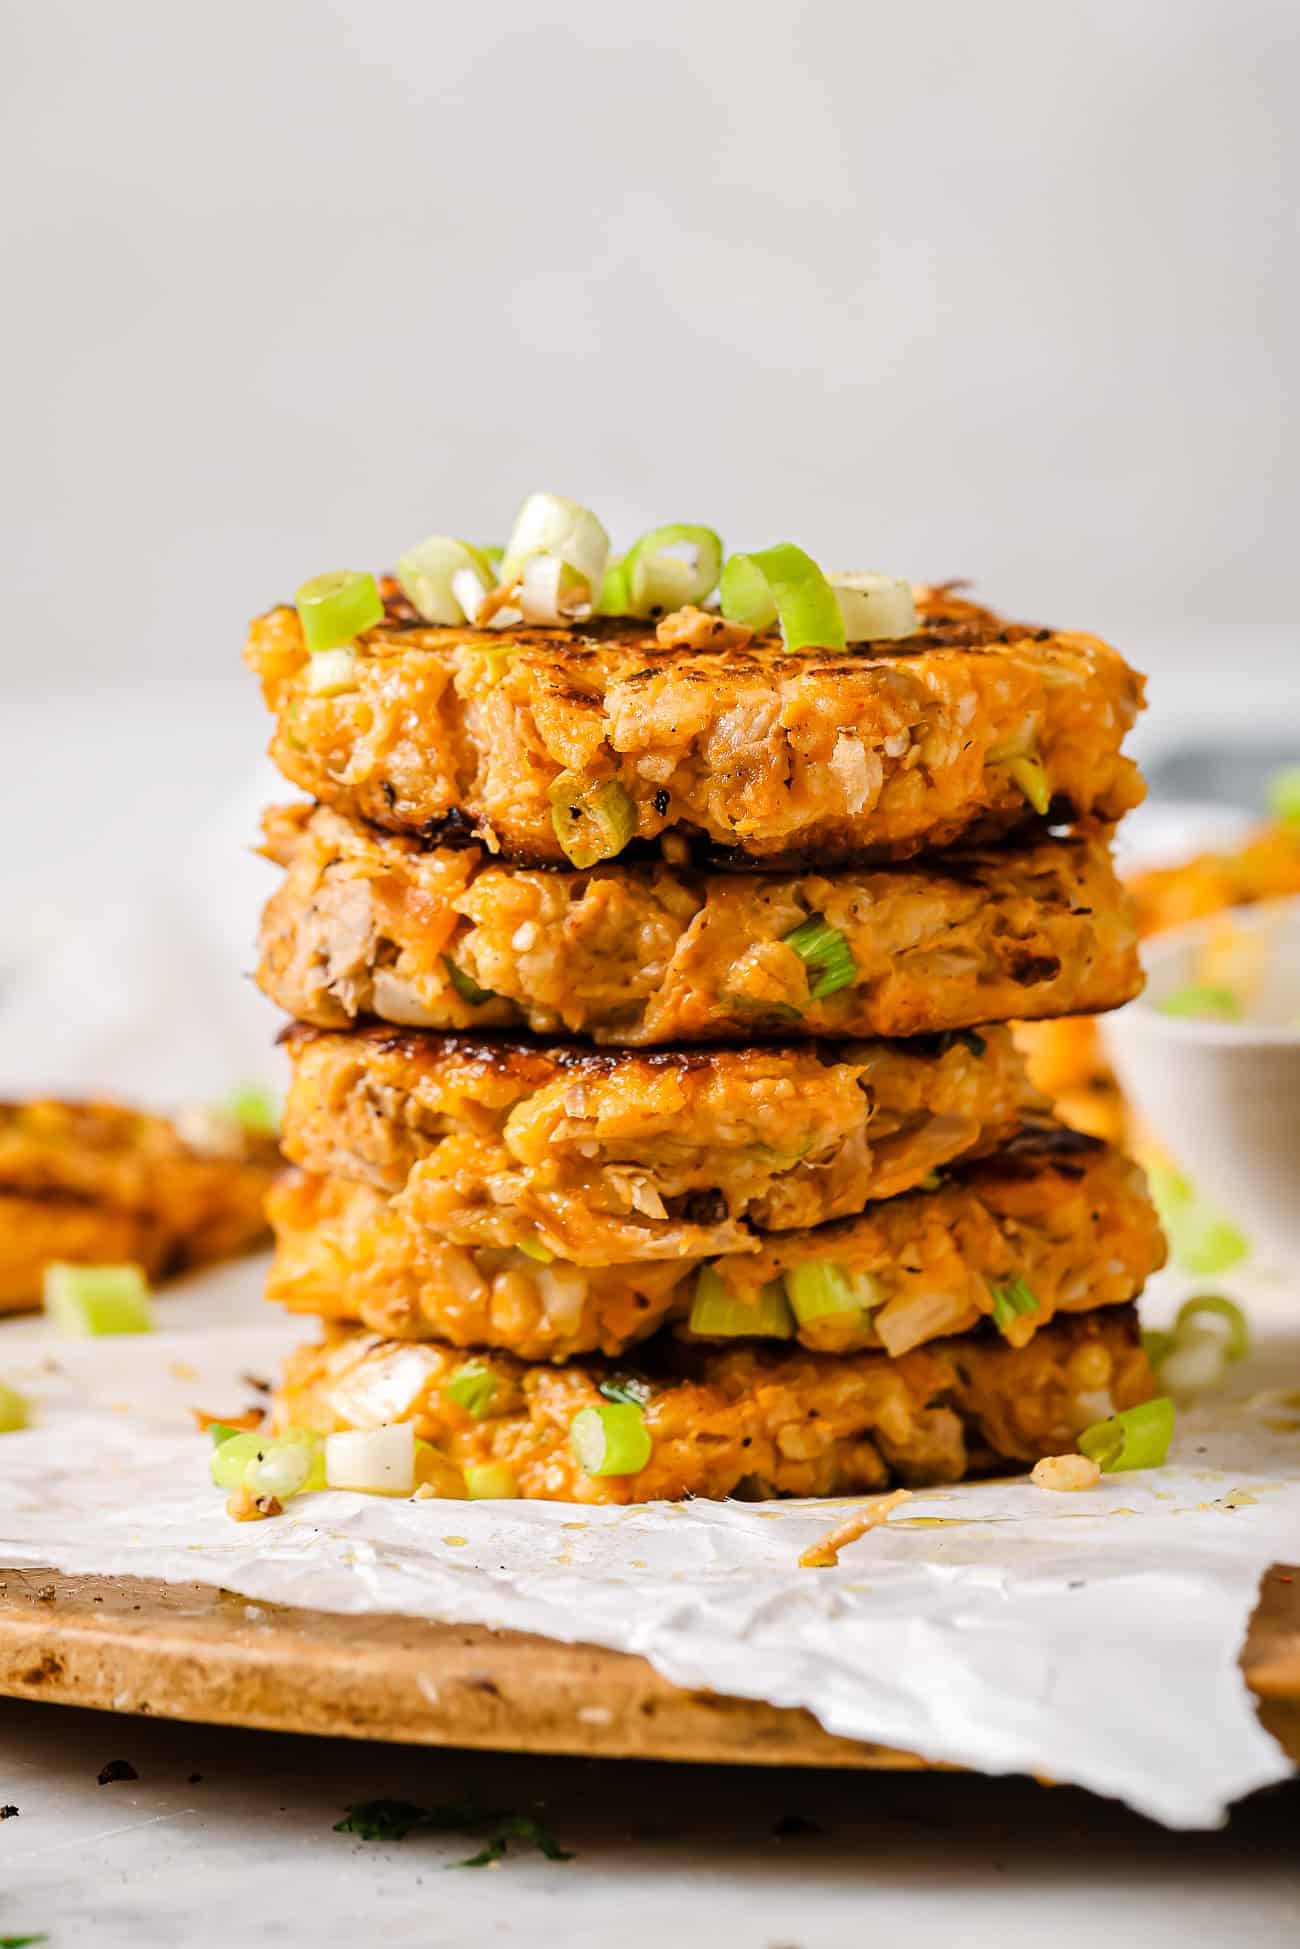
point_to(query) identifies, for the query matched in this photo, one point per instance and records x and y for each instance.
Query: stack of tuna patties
(655, 1123)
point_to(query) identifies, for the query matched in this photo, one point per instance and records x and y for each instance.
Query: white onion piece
(552, 592)
(445, 580)
(875, 608)
(330, 672)
(377, 1461)
(548, 525)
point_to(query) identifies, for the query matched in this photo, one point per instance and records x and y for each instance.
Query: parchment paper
(1092, 1638)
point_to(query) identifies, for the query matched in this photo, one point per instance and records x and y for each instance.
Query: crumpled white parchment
(1092, 1638)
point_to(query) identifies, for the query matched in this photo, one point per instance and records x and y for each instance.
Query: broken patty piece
(558, 746)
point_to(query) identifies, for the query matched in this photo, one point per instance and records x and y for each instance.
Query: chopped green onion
(332, 672)
(14, 1412)
(827, 955)
(1201, 1240)
(88, 1300)
(930, 1182)
(1030, 776)
(783, 585)
(492, 552)
(657, 581)
(231, 1457)
(445, 580)
(1202, 1305)
(254, 1108)
(466, 987)
(1284, 795)
(611, 1439)
(531, 1249)
(1138, 1438)
(816, 1289)
(592, 821)
(875, 608)
(1203, 999)
(716, 1314)
(374, 1461)
(489, 1482)
(614, 597)
(1157, 1344)
(1013, 1300)
(474, 1389)
(557, 553)
(222, 1431)
(285, 1468)
(625, 1387)
(334, 609)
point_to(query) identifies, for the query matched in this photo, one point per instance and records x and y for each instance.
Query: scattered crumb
(244, 1507)
(1065, 1473)
(194, 1779)
(424, 1493)
(825, 1553)
(8, 1813)
(117, 1770)
(695, 629)
(255, 1381)
(181, 1370)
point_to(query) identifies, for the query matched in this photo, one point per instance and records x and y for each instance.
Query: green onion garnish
(1031, 777)
(1138, 1438)
(613, 589)
(557, 554)
(611, 1439)
(1157, 1344)
(1203, 999)
(88, 1300)
(332, 672)
(490, 1482)
(827, 955)
(474, 1389)
(716, 1314)
(626, 1388)
(655, 581)
(14, 1412)
(334, 609)
(1013, 1300)
(445, 580)
(784, 585)
(592, 821)
(270, 1465)
(1202, 1305)
(252, 1107)
(1284, 794)
(816, 1289)
(221, 1431)
(875, 608)
(1201, 1240)
(533, 1249)
(466, 987)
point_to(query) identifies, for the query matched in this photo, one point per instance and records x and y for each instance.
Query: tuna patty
(600, 1156)
(96, 1183)
(605, 733)
(754, 1421)
(1054, 1214)
(376, 924)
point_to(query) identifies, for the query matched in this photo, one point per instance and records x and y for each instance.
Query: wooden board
(187, 1651)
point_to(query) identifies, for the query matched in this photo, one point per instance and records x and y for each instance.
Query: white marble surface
(246, 1853)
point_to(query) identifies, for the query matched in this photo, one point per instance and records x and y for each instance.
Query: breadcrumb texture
(744, 1420)
(97, 1183)
(368, 923)
(818, 756)
(596, 1156)
(1054, 1209)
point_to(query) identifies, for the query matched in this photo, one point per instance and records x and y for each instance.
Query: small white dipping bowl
(1224, 1097)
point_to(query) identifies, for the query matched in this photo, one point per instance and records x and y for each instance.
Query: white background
(1004, 289)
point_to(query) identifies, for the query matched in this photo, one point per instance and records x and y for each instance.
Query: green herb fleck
(1011, 1301)
(626, 1388)
(466, 987)
(393, 1820)
(381, 1820)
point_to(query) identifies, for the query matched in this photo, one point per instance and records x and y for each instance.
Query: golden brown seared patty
(1055, 1210)
(376, 924)
(97, 1183)
(599, 1156)
(815, 756)
(758, 1421)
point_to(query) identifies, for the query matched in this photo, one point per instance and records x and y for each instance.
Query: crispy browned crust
(98, 1183)
(753, 1421)
(600, 1156)
(1065, 1215)
(374, 924)
(772, 757)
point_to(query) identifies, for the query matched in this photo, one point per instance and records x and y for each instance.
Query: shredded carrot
(825, 1553)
